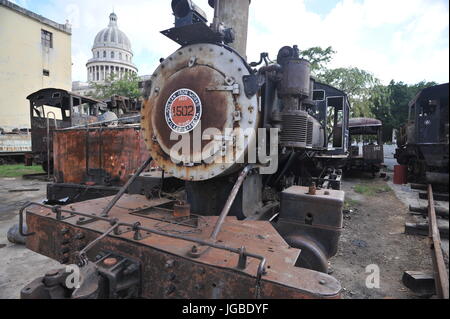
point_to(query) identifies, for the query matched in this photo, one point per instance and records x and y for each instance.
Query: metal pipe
(122, 191)
(94, 242)
(216, 20)
(101, 122)
(234, 14)
(230, 201)
(48, 140)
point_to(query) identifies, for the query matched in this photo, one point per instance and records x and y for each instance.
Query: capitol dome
(112, 36)
(112, 54)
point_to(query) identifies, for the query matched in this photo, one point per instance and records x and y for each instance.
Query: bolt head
(110, 262)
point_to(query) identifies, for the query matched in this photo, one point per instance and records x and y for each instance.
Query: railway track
(439, 269)
(433, 231)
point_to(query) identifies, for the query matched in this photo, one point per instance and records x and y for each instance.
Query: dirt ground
(18, 265)
(373, 234)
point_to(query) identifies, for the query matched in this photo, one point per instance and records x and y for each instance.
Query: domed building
(112, 54)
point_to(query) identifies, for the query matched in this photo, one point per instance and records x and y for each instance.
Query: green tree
(127, 86)
(357, 83)
(390, 103)
(318, 57)
(368, 97)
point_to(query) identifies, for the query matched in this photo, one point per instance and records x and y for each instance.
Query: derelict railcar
(52, 109)
(366, 152)
(422, 143)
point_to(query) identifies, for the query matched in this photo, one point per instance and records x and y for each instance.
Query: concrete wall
(22, 61)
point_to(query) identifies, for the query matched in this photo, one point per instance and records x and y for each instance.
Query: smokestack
(233, 14)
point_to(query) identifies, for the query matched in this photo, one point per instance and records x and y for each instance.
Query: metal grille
(295, 129)
(309, 138)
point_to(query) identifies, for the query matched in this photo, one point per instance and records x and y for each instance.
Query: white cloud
(405, 40)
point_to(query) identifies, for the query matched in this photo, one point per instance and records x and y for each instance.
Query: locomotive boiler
(237, 134)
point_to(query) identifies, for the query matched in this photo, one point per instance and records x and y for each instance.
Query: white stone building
(111, 55)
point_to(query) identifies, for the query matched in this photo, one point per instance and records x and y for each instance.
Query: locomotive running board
(264, 268)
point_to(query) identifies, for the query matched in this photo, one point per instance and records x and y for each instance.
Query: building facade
(35, 53)
(112, 57)
(112, 54)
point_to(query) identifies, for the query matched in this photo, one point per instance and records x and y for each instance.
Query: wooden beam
(440, 211)
(419, 282)
(421, 187)
(422, 229)
(437, 196)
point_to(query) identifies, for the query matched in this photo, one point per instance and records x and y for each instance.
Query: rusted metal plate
(211, 72)
(214, 274)
(114, 151)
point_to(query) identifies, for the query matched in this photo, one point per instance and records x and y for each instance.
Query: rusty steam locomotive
(243, 226)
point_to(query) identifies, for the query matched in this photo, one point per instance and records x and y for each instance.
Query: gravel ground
(374, 235)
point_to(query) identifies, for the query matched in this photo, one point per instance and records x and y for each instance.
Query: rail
(440, 272)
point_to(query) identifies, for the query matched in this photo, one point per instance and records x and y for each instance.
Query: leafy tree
(390, 103)
(357, 83)
(318, 58)
(368, 97)
(127, 86)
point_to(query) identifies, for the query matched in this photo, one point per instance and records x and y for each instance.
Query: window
(318, 95)
(98, 55)
(46, 72)
(120, 56)
(104, 54)
(47, 39)
(112, 54)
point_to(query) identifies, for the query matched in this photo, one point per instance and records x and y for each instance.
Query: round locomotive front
(197, 113)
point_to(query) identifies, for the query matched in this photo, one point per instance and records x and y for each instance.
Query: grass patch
(19, 170)
(370, 190)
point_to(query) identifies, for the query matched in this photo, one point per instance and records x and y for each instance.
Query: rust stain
(116, 151)
(214, 103)
(213, 274)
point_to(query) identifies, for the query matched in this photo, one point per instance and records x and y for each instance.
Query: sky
(401, 40)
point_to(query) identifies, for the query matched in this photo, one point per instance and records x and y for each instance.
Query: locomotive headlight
(183, 8)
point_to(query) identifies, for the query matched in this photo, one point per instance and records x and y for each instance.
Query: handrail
(101, 122)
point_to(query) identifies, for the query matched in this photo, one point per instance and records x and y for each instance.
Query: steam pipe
(230, 201)
(122, 191)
